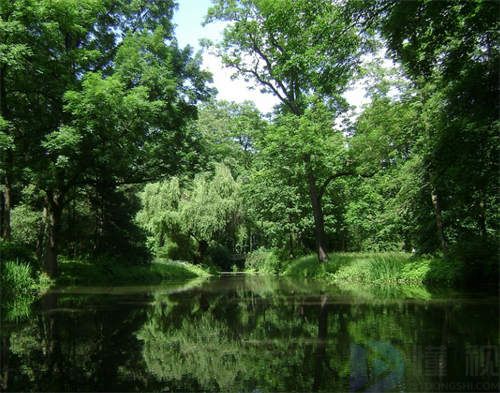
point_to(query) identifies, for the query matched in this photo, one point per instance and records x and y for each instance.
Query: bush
(26, 225)
(263, 261)
(18, 279)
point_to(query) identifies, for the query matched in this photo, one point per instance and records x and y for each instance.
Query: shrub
(16, 278)
(262, 261)
(26, 225)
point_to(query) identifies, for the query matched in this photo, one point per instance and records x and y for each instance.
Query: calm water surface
(254, 334)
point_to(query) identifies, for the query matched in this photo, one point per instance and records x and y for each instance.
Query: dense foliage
(95, 97)
(112, 143)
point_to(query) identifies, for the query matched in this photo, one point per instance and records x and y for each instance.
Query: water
(254, 334)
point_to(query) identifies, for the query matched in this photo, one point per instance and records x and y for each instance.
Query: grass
(84, 272)
(18, 279)
(376, 268)
(19, 288)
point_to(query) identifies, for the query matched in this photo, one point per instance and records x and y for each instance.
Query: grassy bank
(371, 268)
(84, 272)
(21, 284)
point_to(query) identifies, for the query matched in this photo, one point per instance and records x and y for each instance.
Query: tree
(292, 49)
(228, 132)
(15, 54)
(207, 210)
(387, 142)
(450, 51)
(298, 159)
(81, 52)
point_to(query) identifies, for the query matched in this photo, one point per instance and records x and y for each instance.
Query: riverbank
(85, 272)
(367, 268)
(21, 285)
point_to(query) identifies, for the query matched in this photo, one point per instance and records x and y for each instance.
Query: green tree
(100, 99)
(228, 132)
(453, 60)
(298, 159)
(292, 49)
(208, 210)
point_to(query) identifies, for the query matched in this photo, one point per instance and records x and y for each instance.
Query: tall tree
(450, 50)
(298, 159)
(15, 52)
(104, 89)
(292, 49)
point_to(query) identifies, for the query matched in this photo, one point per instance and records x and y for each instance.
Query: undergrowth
(109, 272)
(376, 268)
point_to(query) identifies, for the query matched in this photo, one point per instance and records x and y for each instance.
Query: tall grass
(376, 268)
(16, 278)
(19, 286)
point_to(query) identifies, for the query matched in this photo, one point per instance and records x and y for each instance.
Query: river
(244, 333)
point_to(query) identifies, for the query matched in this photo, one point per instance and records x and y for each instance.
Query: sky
(188, 18)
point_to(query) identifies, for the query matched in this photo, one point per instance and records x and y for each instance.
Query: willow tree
(206, 210)
(292, 49)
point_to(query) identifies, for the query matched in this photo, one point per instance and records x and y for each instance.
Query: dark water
(255, 334)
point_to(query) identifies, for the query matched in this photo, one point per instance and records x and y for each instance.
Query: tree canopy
(111, 135)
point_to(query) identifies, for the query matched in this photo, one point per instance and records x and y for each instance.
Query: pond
(254, 334)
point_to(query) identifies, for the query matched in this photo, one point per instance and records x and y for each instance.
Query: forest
(115, 153)
(155, 236)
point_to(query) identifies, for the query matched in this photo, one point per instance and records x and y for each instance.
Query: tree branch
(262, 81)
(328, 180)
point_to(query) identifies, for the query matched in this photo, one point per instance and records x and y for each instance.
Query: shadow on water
(253, 333)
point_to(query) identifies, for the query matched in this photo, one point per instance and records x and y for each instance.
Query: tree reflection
(243, 334)
(252, 338)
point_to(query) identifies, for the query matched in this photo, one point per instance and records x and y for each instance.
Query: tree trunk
(53, 216)
(2, 208)
(482, 217)
(7, 205)
(4, 363)
(202, 251)
(7, 192)
(319, 220)
(439, 219)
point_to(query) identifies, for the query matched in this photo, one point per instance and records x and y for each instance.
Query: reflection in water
(250, 333)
